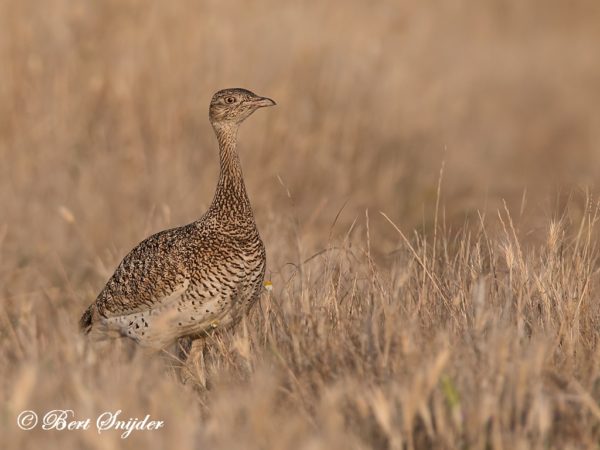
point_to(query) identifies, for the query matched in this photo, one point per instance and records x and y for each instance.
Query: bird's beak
(261, 102)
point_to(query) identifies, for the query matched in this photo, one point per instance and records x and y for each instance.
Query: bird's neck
(231, 200)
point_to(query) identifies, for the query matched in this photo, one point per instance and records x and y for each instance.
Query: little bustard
(185, 281)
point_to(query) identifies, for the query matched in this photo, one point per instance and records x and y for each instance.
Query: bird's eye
(230, 100)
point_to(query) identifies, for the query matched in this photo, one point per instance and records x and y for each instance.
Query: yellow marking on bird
(214, 324)
(268, 285)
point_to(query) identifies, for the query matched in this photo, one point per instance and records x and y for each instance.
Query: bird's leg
(194, 368)
(182, 348)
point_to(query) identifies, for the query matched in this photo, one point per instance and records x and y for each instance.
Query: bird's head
(233, 106)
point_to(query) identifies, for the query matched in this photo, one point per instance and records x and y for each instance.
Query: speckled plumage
(185, 281)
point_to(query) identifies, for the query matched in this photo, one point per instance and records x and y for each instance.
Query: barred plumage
(187, 280)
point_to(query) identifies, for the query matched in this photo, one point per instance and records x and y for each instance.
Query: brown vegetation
(468, 319)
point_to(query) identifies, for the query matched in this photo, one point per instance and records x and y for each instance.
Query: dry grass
(478, 330)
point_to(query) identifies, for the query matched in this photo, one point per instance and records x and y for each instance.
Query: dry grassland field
(426, 188)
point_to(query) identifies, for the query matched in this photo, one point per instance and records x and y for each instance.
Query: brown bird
(185, 281)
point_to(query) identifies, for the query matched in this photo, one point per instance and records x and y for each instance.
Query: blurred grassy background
(104, 136)
(103, 110)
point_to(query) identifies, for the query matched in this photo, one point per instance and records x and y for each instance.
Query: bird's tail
(85, 323)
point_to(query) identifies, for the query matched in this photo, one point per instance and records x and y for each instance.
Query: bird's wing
(150, 275)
